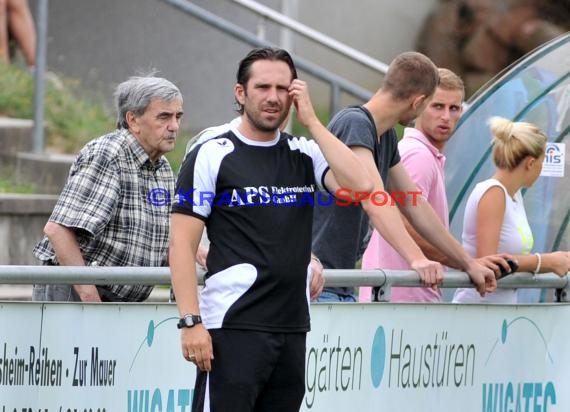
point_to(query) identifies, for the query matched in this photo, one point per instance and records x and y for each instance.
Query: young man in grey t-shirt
(341, 232)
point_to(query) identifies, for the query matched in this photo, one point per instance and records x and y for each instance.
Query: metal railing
(385, 279)
(337, 83)
(314, 35)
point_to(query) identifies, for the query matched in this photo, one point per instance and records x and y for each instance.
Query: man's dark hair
(262, 53)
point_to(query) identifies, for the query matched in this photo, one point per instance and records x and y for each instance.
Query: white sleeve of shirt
(312, 149)
(204, 176)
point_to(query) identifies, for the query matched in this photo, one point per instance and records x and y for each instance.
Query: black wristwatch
(189, 321)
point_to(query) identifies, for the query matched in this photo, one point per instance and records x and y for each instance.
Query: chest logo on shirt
(263, 195)
(525, 233)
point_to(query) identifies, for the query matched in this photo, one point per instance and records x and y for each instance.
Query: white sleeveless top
(515, 238)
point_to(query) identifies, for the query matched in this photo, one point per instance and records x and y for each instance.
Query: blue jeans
(55, 293)
(326, 296)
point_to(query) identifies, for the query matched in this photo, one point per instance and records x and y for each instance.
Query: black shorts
(253, 372)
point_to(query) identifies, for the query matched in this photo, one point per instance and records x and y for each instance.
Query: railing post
(383, 294)
(289, 8)
(335, 99)
(260, 32)
(39, 76)
(563, 295)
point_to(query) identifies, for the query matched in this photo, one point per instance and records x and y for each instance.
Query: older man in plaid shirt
(103, 216)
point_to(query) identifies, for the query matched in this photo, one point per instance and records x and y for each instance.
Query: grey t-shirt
(341, 233)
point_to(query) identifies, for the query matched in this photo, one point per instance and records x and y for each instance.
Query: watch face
(189, 321)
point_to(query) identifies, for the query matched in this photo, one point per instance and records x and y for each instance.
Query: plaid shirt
(106, 201)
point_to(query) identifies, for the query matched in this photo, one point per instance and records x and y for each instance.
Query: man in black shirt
(246, 186)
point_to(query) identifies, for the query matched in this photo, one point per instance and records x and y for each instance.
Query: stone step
(22, 219)
(16, 135)
(46, 172)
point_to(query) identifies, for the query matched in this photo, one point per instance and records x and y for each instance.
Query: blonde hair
(514, 141)
(450, 81)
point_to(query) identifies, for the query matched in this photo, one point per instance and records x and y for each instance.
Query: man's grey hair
(136, 93)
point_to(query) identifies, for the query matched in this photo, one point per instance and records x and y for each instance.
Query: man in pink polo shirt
(421, 154)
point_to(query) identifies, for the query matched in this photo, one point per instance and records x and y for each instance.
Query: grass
(7, 186)
(298, 130)
(175, 157)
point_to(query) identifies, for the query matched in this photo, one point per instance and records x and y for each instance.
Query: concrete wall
(102, 42)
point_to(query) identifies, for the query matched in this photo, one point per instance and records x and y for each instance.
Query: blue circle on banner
(378, 357)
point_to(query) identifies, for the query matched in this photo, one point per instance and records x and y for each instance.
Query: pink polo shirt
(425, 165)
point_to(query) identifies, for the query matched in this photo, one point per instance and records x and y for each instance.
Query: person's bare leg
(4, 54)
(22, 27)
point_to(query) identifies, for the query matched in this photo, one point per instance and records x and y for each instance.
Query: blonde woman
(495, 218)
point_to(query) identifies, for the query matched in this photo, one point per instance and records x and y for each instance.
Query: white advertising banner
(371, 357)
(554, 160)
